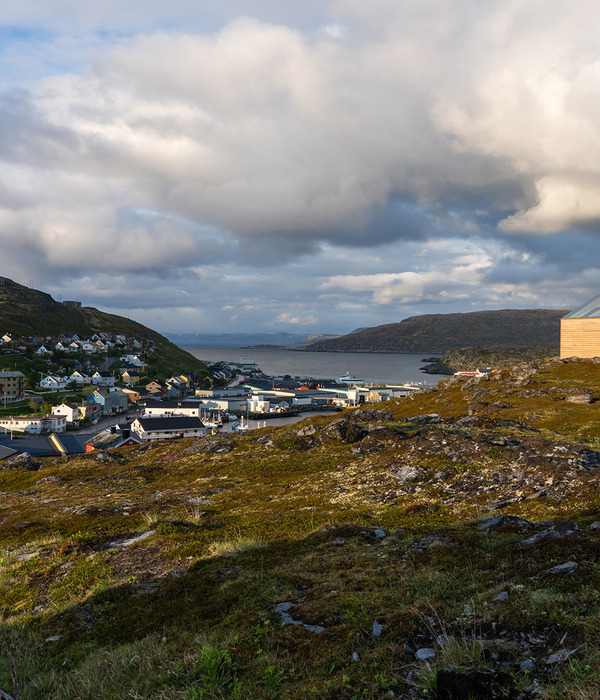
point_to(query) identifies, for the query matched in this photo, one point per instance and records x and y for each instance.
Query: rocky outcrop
(20, 461)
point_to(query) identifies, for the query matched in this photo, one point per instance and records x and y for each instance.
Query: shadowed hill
(29, 312)
(437, 333)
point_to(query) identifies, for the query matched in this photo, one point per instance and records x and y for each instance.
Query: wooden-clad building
(580, 331)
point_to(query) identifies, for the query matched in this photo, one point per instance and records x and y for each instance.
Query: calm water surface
(370, 367)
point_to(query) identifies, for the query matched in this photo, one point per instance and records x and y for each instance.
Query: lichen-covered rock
(366, 416)
(345, 430)
(20, 461)
(408, 474)
(580, 398)
(306, 430)
(214, 444)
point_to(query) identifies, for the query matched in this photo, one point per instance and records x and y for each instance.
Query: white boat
(348, 379)
(241, 427)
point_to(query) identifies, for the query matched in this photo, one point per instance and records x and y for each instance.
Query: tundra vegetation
(444, 545)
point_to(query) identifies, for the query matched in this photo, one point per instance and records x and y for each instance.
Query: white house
(133, 360)
(103, 379)
(88, 348)
(165, 409)
(53, 382)
(80, 378)
(69, 410)
(61, 346)
(36, 425)
(168, 428)
(42, 351)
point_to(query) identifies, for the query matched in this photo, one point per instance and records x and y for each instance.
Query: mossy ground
(189, 611)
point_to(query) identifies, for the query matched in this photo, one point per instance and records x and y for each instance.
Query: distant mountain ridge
(240, 340)
(438, 333)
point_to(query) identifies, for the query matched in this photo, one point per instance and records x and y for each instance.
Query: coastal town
(97, 394)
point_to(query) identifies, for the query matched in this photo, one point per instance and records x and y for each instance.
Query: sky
(240, 166)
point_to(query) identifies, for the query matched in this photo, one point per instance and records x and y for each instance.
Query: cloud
(288, 318)
(405, 155)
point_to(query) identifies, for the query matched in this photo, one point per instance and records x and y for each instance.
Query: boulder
(556, 532)
(20, 461)
(566, 568)
(365, 416)
(345, 430)
(306, 431)
(408, 474)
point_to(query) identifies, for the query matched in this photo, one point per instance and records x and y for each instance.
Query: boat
(212, 421)
(241, 427)
(348, 379)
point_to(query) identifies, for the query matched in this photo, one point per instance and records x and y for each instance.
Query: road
(107, 422)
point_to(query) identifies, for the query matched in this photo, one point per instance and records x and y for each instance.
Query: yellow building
(580, 331)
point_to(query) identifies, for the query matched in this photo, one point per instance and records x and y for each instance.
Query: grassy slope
(25, 311)
(189, 612)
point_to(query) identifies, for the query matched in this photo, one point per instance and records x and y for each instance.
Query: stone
(527, 665)
(50, 480)
(501, 597)
(406, 475)
(287, 619)
(131, 540)
(345, 430)
(556, 532)
(595, 526)
(425, 419)
(376, 629)
(379, 533)
(20, 461)
(366, 416)
(355, 657)
(306, 430)
(283, 607)
(54, 638)
(580, 398)
(424, 654)
(317, 629)
(559, 657)
(26, 557)
(501, 520)
(566, 568)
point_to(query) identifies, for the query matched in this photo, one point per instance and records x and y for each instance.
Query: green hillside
(29, 312)
(446, 545)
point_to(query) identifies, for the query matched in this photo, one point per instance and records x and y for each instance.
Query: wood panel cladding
(580, 337)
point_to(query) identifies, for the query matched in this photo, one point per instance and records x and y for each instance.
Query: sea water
(391, 368)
